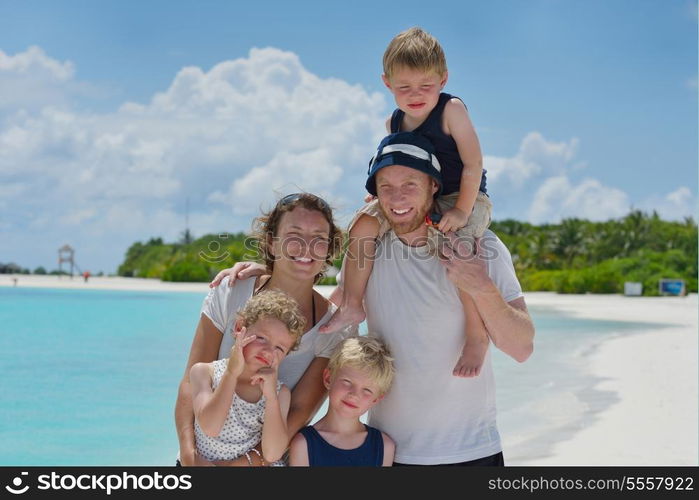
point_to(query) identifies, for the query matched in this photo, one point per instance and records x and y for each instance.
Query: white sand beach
(99, 283)
(653, 374)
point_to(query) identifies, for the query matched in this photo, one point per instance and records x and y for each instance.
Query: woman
(297, 240)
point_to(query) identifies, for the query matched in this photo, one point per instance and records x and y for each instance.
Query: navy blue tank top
(321, 453)
(447, 152)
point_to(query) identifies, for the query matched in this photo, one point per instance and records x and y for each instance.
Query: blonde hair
(416, 49)
(367, 354)
(277, 305)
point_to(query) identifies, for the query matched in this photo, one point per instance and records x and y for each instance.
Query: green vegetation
(199, 260)
(579, 256)
(188, 260)
(12, 268)
(575, 256)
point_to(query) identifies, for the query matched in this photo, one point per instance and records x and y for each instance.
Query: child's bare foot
(343, 317)
(471, 359)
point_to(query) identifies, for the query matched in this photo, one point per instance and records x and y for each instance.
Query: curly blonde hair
(415, 49)
(266, 227)
(367, 354)
(277, 305)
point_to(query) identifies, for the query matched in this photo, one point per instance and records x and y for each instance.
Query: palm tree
(570, 241)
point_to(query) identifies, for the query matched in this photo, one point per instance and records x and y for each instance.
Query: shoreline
(99, 283)
(643, 395)
(647, 385)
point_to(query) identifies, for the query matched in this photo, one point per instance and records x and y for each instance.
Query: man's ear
(386, 82)
(435, 187)
(326, 378)
(443, 82)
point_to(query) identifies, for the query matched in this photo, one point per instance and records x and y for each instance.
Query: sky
(122, 120)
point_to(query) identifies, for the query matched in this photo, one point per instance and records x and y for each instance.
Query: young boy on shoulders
(358, 376)
(415, 71)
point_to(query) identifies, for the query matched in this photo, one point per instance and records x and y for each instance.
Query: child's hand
(453, 220)
(236, 360)
(267, 378)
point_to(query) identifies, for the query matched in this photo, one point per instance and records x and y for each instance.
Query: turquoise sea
(90, 377)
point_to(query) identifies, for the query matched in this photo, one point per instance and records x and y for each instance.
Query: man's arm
(509, 325)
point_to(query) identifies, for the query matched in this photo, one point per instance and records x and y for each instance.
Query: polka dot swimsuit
(242, 429)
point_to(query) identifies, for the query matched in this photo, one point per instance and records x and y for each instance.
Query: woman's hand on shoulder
(241, 270)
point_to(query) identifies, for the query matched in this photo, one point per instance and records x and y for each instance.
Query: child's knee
(481, 215)
(477, 223)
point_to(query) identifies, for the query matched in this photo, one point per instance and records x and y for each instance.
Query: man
(412, 304)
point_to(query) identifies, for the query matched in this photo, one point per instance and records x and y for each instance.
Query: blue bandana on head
(407, 149)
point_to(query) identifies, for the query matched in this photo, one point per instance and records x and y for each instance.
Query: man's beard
(410, 225)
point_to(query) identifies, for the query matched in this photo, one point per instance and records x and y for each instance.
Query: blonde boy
(359, 374)
(415, 71)
(238, 401)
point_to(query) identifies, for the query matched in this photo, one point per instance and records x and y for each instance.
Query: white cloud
(227, 139)
(78, 217)
(558, 198)
(680, 196)
(230, 140)
(536, 157)
(543, 176)
(313, 171)
(675, 205)
(31, 79)
(35, 63)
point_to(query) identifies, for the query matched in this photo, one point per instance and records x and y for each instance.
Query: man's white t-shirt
(221, 306)
(433, 416)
